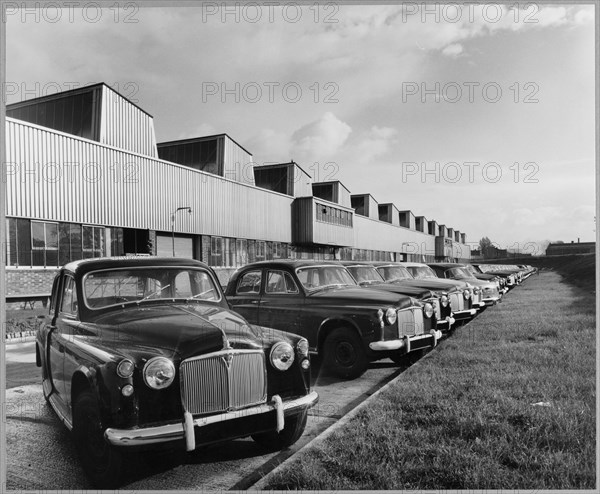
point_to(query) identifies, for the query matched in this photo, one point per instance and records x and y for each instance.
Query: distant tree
(484, 244)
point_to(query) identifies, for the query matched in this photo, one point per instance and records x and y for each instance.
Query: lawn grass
(507, 402)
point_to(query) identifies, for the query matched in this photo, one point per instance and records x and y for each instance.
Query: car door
(67, 325)
(281, 302)
(58, 337)
(246, 297)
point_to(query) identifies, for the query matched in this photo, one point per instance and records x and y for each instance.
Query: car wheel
(291, 432)
(345, 354)
(101, 462)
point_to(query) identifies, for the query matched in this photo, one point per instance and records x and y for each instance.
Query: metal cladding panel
(125, 126)
(302, 220)
(57, 177)
(237, 163)
(344, 196)
(378, 235)
(302, 182)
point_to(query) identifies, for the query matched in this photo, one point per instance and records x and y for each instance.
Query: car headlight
(282, 356)
(467, 294)
(444, 300)
(125, 368)
(428, 310)
(302, 347)
(390, 316)
(159, 372)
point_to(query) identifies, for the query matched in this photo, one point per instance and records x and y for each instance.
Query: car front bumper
(406, 342)
(146, 436)
(464, 314)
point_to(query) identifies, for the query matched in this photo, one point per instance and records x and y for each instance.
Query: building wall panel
(125, 126)
(111, 187)
(378, 235)
(237, 163)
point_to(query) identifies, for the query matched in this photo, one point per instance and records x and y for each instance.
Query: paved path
(40, 452)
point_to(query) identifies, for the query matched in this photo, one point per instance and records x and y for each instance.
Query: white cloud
(453, 50)
(322, 138)
(373, 144)
(204, 129)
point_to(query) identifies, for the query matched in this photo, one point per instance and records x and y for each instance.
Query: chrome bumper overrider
(384, 346)
(173, 432)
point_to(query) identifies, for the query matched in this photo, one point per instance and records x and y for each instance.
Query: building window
(260, 250)
(92, 241)
(44, 243)
(241, 252)
(216, 251)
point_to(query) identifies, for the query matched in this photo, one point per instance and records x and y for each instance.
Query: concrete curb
(19, 337)
(329, 431)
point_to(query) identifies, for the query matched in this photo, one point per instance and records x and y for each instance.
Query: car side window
(69, 297)
(280, 282)
(249, 282)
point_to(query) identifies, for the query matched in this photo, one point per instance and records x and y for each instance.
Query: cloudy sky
(481, 118)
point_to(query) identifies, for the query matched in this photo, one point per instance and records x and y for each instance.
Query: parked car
(367, 275)
(463, 307)
(347, 324)
(488, 291)
(499, 280)
(145, 352)
(510, 275)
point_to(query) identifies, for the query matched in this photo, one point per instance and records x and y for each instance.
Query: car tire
(345, 355)
(102, 462)
(291, 432)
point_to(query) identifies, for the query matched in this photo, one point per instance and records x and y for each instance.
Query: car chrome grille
(457, 301)
(410, 322)
(221, 381)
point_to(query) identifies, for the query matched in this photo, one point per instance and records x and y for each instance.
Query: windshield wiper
(154, 293)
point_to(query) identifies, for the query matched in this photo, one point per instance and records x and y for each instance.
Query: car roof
(86, 265)
(447, 264)
(291, 263)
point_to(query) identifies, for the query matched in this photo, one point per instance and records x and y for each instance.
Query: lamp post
(189, 210)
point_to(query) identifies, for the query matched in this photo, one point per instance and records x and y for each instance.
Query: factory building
(86, 178)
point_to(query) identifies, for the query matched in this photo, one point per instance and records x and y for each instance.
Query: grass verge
(508, 402)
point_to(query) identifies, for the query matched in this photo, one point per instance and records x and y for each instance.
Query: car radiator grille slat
(410, 322)
(457, 301)
(209, 386)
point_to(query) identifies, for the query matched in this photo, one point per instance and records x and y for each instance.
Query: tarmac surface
(41, 454)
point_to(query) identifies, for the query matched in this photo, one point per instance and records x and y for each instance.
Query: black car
(459, 294)
(366, 275)
(320, 301)
(141, 353)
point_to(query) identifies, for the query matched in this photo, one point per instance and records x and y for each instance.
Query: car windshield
(119, 286)
(394, 273)
(314, 277)
(421, 272)
(365, 274)
(472, 269)
(459, 274)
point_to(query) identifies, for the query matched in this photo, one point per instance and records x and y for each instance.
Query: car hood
(417, 292)
(434, 284)
(359, 296)
(186, 329)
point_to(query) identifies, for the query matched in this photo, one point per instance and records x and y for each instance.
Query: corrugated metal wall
(237, 163)
(125, 126)
(302, 182)
(58, 177)
(377, 235)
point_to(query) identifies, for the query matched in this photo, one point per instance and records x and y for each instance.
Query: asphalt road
(41, 455)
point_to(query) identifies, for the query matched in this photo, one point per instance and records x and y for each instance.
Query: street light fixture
(189, 210)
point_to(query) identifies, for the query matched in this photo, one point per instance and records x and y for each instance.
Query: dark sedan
(145, 353)
(349, 324)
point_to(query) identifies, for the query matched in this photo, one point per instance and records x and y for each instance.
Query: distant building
(561, 249)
